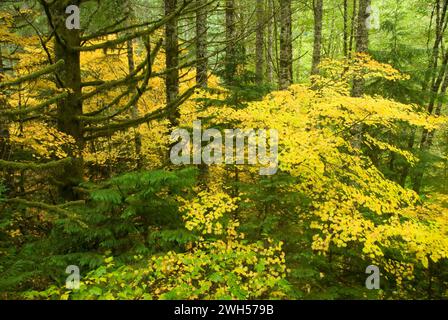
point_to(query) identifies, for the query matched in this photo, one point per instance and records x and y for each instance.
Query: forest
(223, 149)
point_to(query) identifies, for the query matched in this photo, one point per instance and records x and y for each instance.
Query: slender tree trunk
(352, 28)
(230, 60)
(259, 64)
(4, 131)
(345, 49)
(318, 13)
(1, 63)
(362, 43)
(70, 108)
(276, 39)
(134, 109)
(437, 111)
(285, 44)
(241, 44)
(4, 128)
(5, 143)
(300, 55)
(270, 45)
(202, 66)
(201, 44)
(405, 171)
(172, 60)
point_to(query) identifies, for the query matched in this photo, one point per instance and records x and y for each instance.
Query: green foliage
(122, 216)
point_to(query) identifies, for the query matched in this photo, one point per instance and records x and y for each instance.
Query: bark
(345, 28)
(134, 109)
(1, 64)
(5, 146)
(133, 87)
(172, 60)
(201, 44)
(285, 72)
(276, 59)
(352, 28)
(259, 64)
(4, 130)
(318, 13)
(69, 108)
(362, 34)
(429, 138)
(362, 43)
(230, 60)
(242, 18)
(405, 171)
(270, 45)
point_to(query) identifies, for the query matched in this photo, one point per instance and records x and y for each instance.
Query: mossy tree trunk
(70, 108)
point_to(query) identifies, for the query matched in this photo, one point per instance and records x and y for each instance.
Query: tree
(70, 116)
(345, 13)
(285, 73)
(201, 43)
(318, 12)
(133, 86)
(70, 108)
(362, 42)
(231, 51)
(172, 59)
(270, 41)
(260, 56)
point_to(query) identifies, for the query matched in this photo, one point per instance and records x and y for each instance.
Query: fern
(123, 216)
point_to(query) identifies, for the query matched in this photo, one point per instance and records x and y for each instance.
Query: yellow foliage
(43, 141)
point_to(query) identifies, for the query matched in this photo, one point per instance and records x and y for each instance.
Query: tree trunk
(352, 28)
(70, 108)
(276, 58)
(270, 44)
(4, 131)
(362, 43)
(318, 13)
(285, 44)
(201, 44)
(5, 146)
(259, 64)
(134, 109)
(345, 28)
(230, 59)
(172, 60)
(1, 64)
